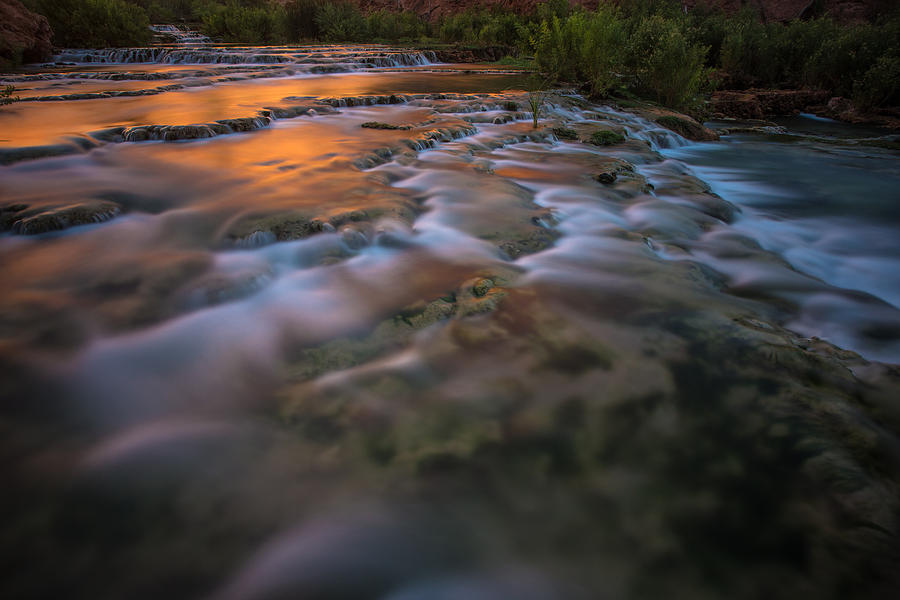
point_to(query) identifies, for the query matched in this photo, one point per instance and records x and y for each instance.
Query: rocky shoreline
(759, 104)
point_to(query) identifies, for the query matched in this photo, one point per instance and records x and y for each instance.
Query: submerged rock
(606, 138)
(482, 286)
(73, 145)
(564, 133)
(687, 128)
(606, 177)
(256, 239)
(379, 125)
(31, 222)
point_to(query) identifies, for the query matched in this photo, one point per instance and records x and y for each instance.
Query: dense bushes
(340, 21)
(880, 85)
(607, 49)
(306, 20)
(237, 22)
(300, 19)
(94, 23)
(490, 28)
(169, 11)
(583, 47)
(389, 26)
(647, 47)
(665, 63)
(654, 49)
(853, 61)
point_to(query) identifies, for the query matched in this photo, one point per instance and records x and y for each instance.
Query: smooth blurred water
(827, 204)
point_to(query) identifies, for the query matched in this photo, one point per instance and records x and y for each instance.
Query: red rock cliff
(24, 35)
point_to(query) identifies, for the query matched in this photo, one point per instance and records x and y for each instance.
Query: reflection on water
(380, 338)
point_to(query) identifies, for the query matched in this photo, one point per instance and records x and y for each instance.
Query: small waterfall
(660, 138)
(188, 47)
(404, 59)
(171, 56)
(180, 36)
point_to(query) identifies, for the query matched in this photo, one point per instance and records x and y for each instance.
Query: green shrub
(502, 29)
(600, 50)
(94, 23)
(300, 20)
(536, 99)
(880, 85)
(709, 27)
(664, 62)
(394, 26)
(340, 22)
(560, 9)
(638, 10)
(585, 47)
(236, 22)
(845, 57)
(168, 11)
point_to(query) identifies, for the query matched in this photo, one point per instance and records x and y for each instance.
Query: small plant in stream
(6, 95)
(537, 96)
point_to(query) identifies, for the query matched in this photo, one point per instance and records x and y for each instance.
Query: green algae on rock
(606, 138)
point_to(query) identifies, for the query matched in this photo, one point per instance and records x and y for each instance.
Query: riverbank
(657, 51)
(755, 104)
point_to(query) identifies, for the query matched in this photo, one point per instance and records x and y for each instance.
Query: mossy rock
(565, 133)
(380, 125)
(34, 222)
(606, 138)
(687, 128)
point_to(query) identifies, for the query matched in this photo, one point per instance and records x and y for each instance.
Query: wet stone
(482, 286)
(56, 219)
(379, 125)
(353, 238)
(606, 177)
(606, 138)
(564, 133)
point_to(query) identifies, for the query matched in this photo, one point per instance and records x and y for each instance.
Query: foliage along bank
(651, 49)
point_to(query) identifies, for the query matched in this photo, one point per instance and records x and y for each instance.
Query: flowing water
(338, 322)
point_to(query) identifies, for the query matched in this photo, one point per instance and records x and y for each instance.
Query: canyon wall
(24, 35)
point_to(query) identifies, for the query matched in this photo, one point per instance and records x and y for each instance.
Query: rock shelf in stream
(26, 220)
(139, 133)
(255, 71)
(110, 94)
(310, 59)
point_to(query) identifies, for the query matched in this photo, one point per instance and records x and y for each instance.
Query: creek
(339, 322)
